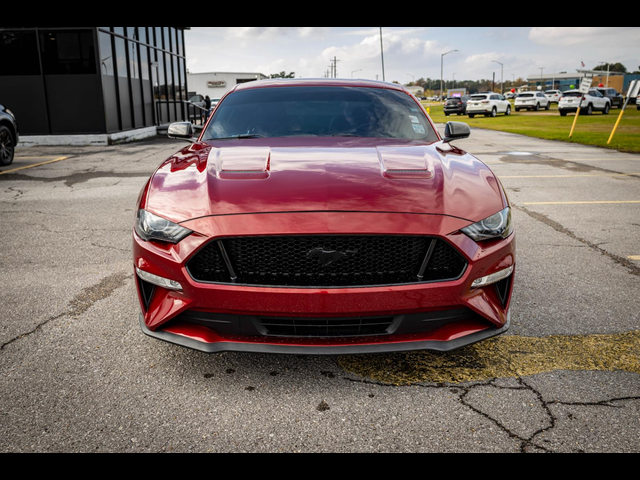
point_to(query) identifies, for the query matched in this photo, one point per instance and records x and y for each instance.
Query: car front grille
(327, 261)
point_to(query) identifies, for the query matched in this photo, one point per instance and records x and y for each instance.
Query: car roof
(318, 82)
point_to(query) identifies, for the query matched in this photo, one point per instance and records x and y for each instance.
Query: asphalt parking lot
(77, 375)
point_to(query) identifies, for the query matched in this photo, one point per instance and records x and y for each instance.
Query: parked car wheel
(607, 109)
(563, 114)
(494, 113)
(7, 147)
(471, 115)
(508, 111)
(548, 106)
(589, 110)
(538, 107)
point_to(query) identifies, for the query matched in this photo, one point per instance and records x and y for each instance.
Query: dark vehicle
(617, 99)
(8, 136)
(456, 106)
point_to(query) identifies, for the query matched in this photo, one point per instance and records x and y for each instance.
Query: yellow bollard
(574, 123)
(615, 129)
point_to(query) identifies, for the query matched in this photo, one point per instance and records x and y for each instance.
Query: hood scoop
(406, 162)
(242, 163)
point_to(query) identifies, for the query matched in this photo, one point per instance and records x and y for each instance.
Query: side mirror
(181, 131)
(456, 131)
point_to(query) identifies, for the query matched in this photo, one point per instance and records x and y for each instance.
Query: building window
(19, 54)
(69, 52)
(106, 55)
(121, 57)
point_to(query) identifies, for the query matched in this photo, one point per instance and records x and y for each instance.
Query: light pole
(608, 71)
(355, 71)
(455, 85)
(412, 76)
(542, 78)
(442, 73)
(502, 77)
(384, 75)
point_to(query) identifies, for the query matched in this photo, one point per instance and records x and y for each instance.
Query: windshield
(320, 112)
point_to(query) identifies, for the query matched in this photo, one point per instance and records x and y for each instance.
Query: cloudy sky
(409, 50)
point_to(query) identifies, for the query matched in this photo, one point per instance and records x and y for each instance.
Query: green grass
(594, 130)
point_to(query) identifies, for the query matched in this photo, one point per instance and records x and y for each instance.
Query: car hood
(314, 175)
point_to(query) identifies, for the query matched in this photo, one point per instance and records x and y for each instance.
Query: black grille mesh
(208, 265)
(327, 261)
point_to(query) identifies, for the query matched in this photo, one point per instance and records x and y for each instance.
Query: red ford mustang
(323, 217)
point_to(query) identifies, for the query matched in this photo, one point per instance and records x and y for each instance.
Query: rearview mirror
(182, 131)
(456, 131)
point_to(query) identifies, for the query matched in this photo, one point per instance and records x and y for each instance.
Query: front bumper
(204, 340)
(165, 315)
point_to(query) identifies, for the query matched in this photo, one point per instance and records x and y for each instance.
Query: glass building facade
(93, 80)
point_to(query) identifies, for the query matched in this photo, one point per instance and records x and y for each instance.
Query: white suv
(593, 101)
(532, 101)
(554, 96)
(488, 104)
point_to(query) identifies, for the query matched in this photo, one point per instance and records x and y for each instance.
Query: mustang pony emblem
(329, 257)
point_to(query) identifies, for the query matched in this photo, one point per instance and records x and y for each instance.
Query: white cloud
(568, 36)
(273, 32)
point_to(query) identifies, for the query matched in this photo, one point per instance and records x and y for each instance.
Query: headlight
(499, 225)
(151, 227)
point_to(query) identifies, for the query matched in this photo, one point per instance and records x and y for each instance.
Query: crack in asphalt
(527, 443)
(81, 303)
(38, 327)
(633, 268)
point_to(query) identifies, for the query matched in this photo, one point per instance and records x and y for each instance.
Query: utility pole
(502, 78)
(334, 67)
(384, 75)
(455, 85)
(542, 77)
(442, 73)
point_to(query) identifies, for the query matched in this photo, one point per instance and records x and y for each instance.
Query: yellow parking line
(571, 176)
(583, 203)
(635, 258)
(59, 159)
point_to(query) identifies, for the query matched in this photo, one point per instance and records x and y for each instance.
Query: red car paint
(323, 186)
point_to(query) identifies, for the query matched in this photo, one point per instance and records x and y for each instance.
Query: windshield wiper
(240, 137)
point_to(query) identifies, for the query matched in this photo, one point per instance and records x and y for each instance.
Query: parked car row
(600, 99)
